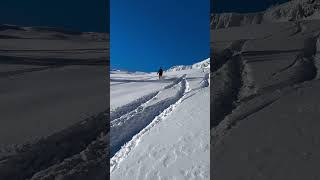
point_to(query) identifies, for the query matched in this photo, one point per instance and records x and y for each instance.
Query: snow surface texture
(54, 108)
(265, 87)
(163, 134)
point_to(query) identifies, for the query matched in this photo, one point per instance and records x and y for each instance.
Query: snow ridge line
(127, 148)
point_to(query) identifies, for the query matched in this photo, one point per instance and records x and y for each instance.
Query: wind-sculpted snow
(268, 130)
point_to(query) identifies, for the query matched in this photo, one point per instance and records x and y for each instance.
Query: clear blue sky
(79, 15)
(242, 6)
(147, 34)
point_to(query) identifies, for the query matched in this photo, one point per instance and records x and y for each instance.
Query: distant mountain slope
(199, 65)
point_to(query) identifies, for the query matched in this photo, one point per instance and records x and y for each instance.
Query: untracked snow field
(160, 129)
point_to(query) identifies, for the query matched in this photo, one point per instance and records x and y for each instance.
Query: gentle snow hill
(264, 110)
(163, 134)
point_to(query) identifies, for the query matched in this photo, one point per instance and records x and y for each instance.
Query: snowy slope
(54, 103)
(165, 133)
(264, 110)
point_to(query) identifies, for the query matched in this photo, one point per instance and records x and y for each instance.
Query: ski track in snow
(133, 106)
(168, 105)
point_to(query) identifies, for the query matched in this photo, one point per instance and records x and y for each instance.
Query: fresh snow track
(126, 126)
(168, 105)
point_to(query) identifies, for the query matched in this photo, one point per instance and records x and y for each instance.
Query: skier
(160, 72)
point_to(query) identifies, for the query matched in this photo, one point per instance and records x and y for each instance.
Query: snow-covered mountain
(289, 11)
(205, 64)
